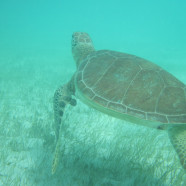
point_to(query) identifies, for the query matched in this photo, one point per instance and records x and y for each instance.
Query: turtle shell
(131, 88)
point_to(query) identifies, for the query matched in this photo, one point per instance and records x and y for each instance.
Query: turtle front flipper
(62, 97)
(177, 136)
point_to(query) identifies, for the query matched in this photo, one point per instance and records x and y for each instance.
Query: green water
(35, 59)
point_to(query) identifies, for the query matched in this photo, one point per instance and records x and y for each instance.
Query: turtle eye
(74, 42)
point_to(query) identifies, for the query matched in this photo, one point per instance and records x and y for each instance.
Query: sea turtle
(127, 87)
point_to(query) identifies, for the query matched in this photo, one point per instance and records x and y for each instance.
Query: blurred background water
(35, 58)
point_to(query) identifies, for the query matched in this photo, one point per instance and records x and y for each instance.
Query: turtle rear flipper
(177, 136)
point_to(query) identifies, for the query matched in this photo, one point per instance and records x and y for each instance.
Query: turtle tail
(177, 135)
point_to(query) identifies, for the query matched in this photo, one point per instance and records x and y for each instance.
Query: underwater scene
(51, 132)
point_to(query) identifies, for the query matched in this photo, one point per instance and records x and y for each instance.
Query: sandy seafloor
(96, 149)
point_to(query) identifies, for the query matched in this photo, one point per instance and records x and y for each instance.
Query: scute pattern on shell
(132, 85)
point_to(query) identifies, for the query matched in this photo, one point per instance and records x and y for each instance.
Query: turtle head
(82, 46)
